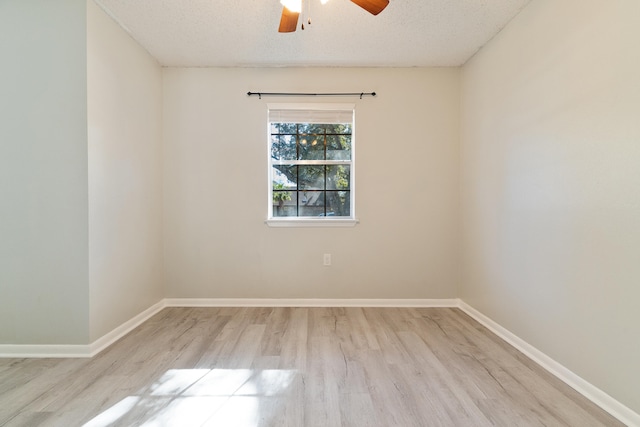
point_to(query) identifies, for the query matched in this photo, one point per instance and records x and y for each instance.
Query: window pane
(311, 177)
(284, 128)
(340, 129)
(311, 147)
(283, 147)
(338, 177)
(285, 177)
(285, 203)
(339, 147)
(338, 203)
(312, 128)
(311, 203)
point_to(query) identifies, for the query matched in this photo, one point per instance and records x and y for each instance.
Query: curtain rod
(360, 94)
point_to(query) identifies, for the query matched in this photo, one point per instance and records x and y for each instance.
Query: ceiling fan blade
(372, 6)
(288, 21)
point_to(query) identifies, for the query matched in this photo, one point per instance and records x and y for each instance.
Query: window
(311, 164)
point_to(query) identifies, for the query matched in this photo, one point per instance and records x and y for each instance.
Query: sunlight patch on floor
(197, 397)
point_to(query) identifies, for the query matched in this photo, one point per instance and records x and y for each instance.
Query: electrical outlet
(327, 259)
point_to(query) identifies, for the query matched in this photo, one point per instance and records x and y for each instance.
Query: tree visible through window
(311, 163)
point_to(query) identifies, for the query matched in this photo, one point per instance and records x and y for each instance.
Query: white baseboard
(106, 340)
(308, 302)
(588, 390)
(20, 351)
(77, 351)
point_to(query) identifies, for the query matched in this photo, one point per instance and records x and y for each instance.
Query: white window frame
(344, 221)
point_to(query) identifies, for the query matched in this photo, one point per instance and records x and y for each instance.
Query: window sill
(311, 222)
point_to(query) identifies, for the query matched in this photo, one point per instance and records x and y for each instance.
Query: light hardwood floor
(296, 367)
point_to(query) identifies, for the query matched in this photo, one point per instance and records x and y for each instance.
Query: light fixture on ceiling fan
(292, 8)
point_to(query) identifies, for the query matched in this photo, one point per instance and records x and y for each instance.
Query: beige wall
(125, 179)
(215, 188)
(43, 173)
(550, 161)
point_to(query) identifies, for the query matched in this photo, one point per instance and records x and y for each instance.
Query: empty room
(320, 213)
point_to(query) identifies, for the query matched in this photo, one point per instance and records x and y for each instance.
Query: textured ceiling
(245, 32)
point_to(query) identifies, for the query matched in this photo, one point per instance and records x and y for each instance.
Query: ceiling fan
(292, 8)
